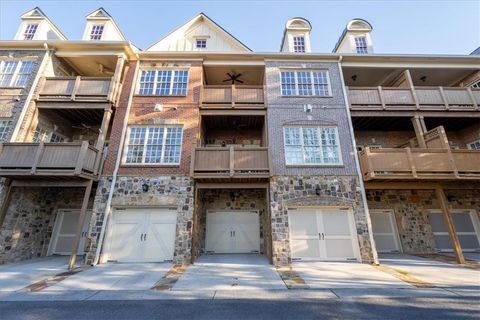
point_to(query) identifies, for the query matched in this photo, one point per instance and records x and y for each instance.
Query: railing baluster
(38, 155)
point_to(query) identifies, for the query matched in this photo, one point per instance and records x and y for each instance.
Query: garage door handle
(323, 236)
(234, 233)
(141, 237)
(145, 237)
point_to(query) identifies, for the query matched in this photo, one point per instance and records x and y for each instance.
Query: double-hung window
(475, 84)
(299, 44)
(164, 82)
(5, 126)
(474, 145)
(30, 31)
(46, 135)
(201, 43)
(311, 145)
(96, 32)
(154, 145)
(361, 45)
(15, 73)
(305, 83)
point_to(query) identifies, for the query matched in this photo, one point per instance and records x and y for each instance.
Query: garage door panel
(463, 222)
(305, 248)
(469, 242)
(336, 223)
(385, 231)
(159, 242)
(339, 249)
(303, 224)
(465, 228)
(124, 243)
(381, 223)
(385, 243)
(246, 232)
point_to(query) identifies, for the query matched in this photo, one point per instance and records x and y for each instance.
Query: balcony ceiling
(370, 77)
(93, 66)
(233, 122)
(214, 75)
(404, 123)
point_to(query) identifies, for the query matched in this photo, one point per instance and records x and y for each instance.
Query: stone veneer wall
(164, 191)
(30, 218)
(238, 199)
(411, 209)
(301, 191)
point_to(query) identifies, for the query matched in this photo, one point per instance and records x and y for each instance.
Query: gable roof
(37, 13)
(102, 14)
(198, 18)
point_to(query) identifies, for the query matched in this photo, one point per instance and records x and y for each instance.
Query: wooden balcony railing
(78, 88)
(232, 96)
(414, 164)
(66, 159)
(418, 98)
(230, 162)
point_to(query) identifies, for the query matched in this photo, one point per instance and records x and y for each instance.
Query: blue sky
(420, 26)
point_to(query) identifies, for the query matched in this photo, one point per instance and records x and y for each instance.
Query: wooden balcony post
(411, 163)
(6, 201)
(38, 155)
(232, 162)
(75, 87)
(451, 227)
(192, 163)
(80, 222)
(380, 95)
(419, 133)
(370, 170)
(81, 157)
(444, 98)
(233, 95)
(470, 94)
(112, 90)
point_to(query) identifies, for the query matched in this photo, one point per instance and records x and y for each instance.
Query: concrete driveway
(18, 275)
(230, 271)
(335, 275)
(439, 274)
(114, 276)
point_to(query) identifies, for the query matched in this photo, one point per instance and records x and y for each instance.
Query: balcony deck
(419, 98)
(417, 164)
(238, 97)
(231, 164)
(23, 160)
(75, 89)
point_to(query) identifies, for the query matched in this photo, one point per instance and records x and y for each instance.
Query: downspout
(30, 94)
(108, 208)
(357, 164)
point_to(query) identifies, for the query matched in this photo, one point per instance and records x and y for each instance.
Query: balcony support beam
(80, 223)
(6, 201)
(450, 225)
(419, 133)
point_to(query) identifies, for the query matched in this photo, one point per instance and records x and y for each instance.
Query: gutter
(108, 207)
(33, 89)
(359, 171)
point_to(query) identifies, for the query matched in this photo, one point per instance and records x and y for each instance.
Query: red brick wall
(142, 112)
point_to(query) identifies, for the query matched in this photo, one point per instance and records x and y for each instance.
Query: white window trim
(157, 164)
(304, 43)
(201, 39)
(15, 72)
(91, 30)
(321, 164)
(297, 95)
(472, 142)
(355, 44)
(155, 83)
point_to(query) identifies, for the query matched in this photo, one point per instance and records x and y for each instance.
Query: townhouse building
(214, 148)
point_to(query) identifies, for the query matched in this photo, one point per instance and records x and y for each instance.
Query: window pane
(361, 44)
(180, 83)
(96, 33)
(304, 83)
(288, 83)
(153, 153)
(135, 145)
(164, 78)
(6, 72)
(298, 44)
(25, 69)
(293, 155)
(147, 80)
(293, 145)
(331, 152)
(30, 31)
(4, 127)
(173, 145)
(320, 82)
(311, 141)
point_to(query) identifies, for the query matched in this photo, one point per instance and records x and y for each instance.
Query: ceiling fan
(85, 128)
(233, 77)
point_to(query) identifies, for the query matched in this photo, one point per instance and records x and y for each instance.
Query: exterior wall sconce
(145, 187)
(318, 190)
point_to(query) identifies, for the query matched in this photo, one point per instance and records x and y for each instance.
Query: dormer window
(30, 31)
(361, 45)
(201, 44)
(299, 44)
(96, 32)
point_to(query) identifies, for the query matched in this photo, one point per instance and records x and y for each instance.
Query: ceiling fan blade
(227, 80)
(239, 80)
(229, 74)
(238, 75)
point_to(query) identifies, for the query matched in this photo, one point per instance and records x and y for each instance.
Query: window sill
(150, 165)
(296, 96)
(159, 95)
(338, 165)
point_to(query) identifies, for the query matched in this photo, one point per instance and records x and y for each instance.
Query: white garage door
(142, 235)
(64, 232)
(322, 234)
(233, 232)
(385, 230)
(467, 227)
